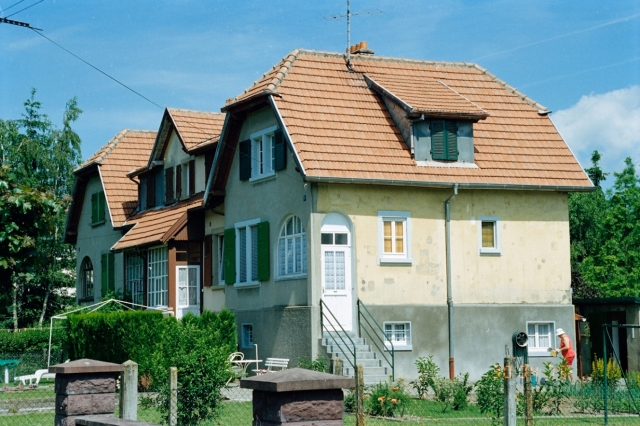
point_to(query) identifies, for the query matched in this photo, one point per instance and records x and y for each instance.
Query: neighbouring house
(153, 250)
(103, 198)
(431, 195)
(621, 341)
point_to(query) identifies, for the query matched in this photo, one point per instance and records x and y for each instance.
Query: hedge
(32, 340)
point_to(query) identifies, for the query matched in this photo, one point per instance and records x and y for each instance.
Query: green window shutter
(104, 276)
(102, 206)
(279, 151)
(263, 251)
(112, 272)
(94, 207)
(245, 159)
(230, 256)
(192, 177)
(151, 191)
(178, 182)
(438, 140)
(452, 140)
(168, 185)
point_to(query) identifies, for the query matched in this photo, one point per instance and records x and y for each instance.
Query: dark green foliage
(117, 336)
(428, 371)
(490, 393)
(32, 340)
(605, 235)
(199, 347)
(321, 363)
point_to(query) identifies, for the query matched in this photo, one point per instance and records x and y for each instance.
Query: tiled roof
(197, 128)
(341, 128)
(128, 150)
(152, 225)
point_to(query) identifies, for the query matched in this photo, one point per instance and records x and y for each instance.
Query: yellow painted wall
(534, 232)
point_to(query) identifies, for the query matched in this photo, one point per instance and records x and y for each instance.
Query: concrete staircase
(374, 370)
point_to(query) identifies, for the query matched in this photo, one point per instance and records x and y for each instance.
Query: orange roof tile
(197, 128)
(128, 150)
(150, 226)
(341, 128)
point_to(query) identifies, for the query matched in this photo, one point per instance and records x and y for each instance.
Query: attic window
(444, 140)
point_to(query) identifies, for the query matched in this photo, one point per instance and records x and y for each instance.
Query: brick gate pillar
(84, 387)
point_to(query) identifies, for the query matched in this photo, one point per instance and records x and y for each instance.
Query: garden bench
(273, 365)
(40, 374)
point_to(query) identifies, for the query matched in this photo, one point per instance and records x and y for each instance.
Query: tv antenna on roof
(348, 16)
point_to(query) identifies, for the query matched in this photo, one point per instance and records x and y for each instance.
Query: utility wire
(99, 70)
(15, 4)
(24, 9)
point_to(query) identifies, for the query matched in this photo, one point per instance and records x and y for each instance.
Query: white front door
(336, 278)
(188, 290)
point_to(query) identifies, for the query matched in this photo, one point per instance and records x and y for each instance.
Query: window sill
(101, 222)
(291, 277)
(262, 178)
(490, 252)
(252, 284)
(397, 348)
(390, 261)
(539, 353)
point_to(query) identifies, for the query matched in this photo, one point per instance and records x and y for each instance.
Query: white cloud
(608, 122)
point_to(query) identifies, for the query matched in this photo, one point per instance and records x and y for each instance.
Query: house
(431, 195)
(152, 247)
(103, 197)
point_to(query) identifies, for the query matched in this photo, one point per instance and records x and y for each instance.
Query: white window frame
(533, 348)
(248, 225)
(134, 279)
(246, 335)
(189, 288)
(394, 258)
(88, 279)
(220, 258)
(299, 271)
(263, 154)
(402, 345)
(158, 277)
(496, 250)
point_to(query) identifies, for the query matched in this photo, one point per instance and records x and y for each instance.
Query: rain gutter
(447, 231)
(396, 182)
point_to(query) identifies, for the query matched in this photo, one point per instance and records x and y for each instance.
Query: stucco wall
(273, 200)
(534, 236)
(93, 241)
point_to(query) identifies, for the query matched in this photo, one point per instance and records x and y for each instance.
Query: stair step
(359, 355)
(336, 341)
(339, 348)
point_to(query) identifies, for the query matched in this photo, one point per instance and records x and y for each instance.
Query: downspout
(447, 232)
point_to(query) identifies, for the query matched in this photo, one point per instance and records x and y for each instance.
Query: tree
(42, 157)
(605, 235)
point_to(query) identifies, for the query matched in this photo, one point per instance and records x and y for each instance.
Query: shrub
(319, 364)
(556, 385)
(387, 400)
(614, 373)
(116, 336)
(32, 340)
(427, 373)
(199, 347)
(490, 390)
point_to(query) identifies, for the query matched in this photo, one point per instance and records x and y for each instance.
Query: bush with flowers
(387, 399)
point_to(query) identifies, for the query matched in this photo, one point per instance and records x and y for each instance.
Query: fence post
(359, 395)
(509, 392)
(528, 397)
(129, 391)
(337, 366)
(173, 396)
(604, 375)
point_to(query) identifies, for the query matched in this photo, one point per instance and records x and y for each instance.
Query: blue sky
(580, 58)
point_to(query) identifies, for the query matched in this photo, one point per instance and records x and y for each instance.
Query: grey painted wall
(481, 333)
(93, 241)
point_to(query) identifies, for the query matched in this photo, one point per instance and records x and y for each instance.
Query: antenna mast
(348, 35)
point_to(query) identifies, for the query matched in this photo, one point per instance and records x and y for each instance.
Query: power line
(15, 4)
(24, 8)
(99, 70)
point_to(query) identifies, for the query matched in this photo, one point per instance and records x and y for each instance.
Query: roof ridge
(462, 96)
(196, 111)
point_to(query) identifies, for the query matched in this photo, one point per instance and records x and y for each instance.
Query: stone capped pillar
(298, 397)
(84, 387)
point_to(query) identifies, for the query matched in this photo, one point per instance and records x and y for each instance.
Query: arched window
(292, 248)
(86, 289)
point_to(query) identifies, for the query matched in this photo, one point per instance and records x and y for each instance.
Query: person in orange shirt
(566, 349)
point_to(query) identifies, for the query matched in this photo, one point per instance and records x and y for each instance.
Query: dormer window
(444, 140)
(262, 154)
